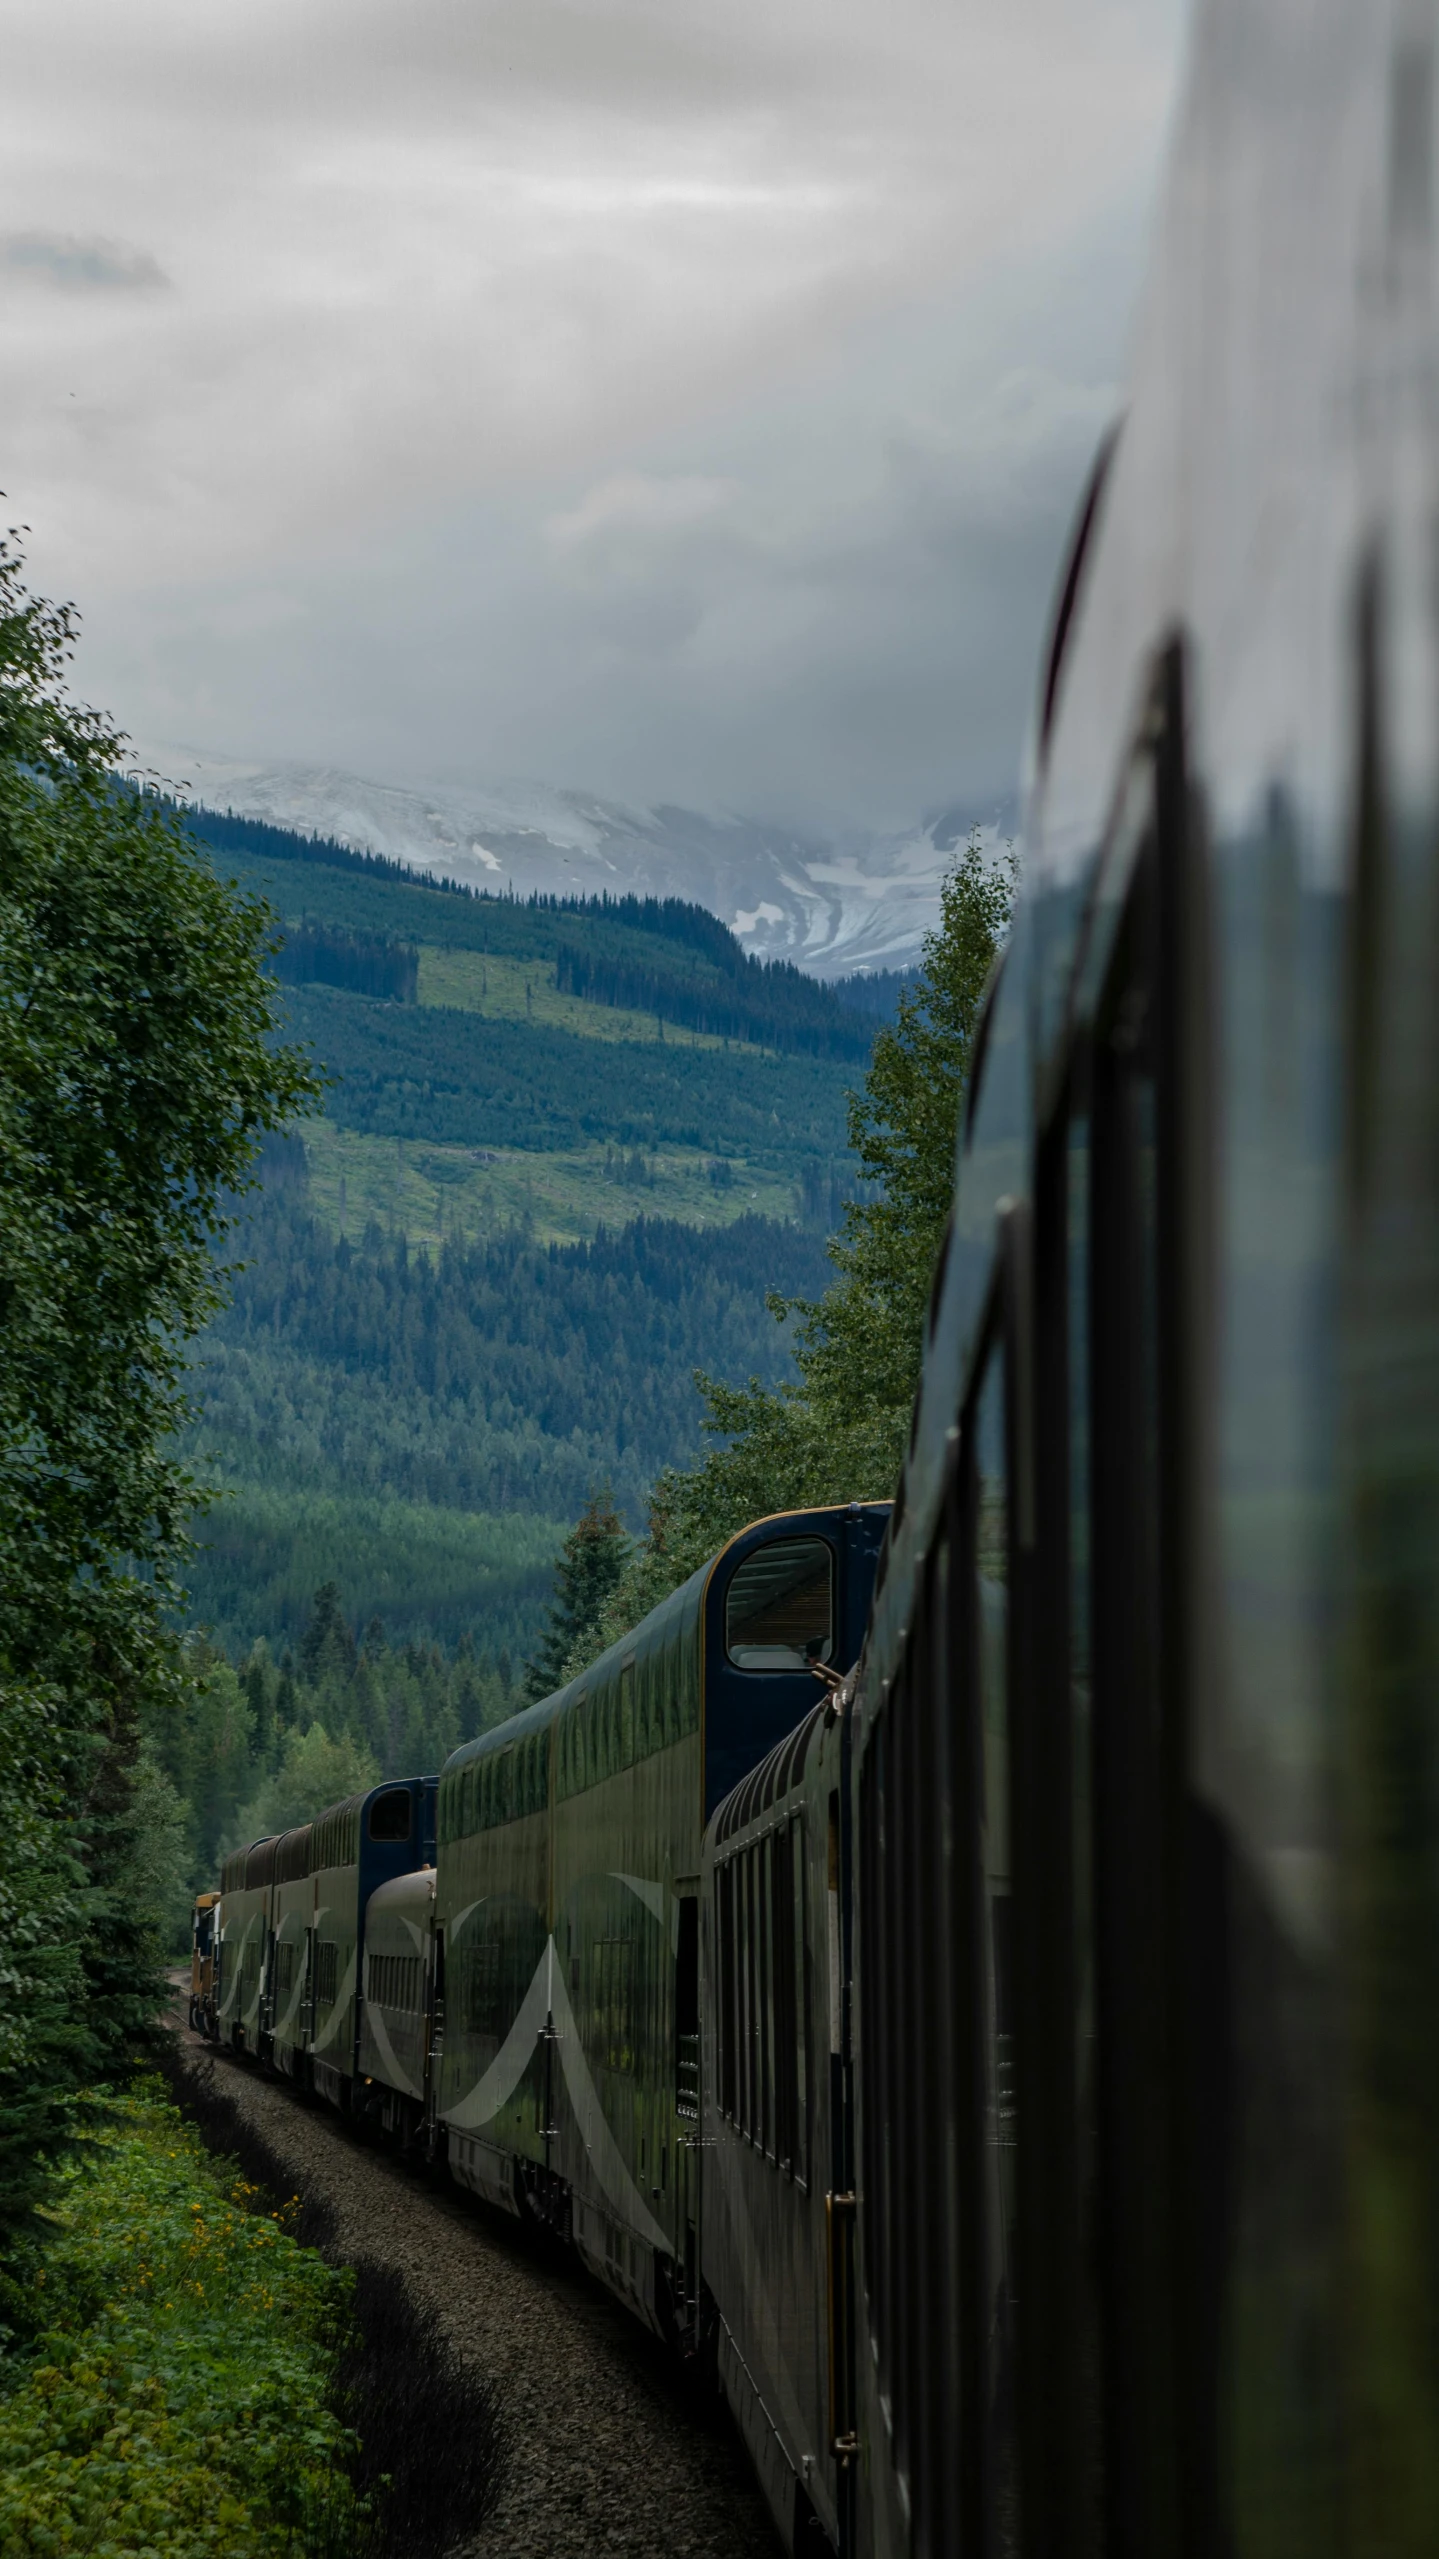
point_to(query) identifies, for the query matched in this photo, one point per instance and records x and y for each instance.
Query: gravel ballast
(612, 2449)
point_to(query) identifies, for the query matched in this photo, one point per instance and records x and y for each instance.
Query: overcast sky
(676, 398)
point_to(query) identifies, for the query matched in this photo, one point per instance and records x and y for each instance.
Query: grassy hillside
(445, 1194)
(515, 990)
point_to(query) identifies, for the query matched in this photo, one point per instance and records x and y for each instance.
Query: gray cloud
(79, 266)
(680, 402)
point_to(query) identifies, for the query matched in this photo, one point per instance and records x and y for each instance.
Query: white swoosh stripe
(652, 1895)
(343, 1996)
(548, 1997)
(399, 2077)
(512, 2060)
(606, 2157)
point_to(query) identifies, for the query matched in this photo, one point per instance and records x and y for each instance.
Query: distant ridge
(225, 832)
(836, 902)
(603, 949)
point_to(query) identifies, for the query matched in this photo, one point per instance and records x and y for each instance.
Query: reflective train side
(1137, 2024)
(1145, 1751)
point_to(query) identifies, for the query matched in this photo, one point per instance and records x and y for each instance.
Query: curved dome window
(779, 1608)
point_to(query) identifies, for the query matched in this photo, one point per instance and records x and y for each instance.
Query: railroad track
(613, 2450)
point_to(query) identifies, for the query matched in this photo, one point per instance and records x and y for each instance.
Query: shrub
(432, 2443)
(170, 2377)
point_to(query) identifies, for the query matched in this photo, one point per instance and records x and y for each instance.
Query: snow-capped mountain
(831, 906)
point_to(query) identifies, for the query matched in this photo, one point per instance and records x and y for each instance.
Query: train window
(779, 1608)
(1131, 1762)
(687, 2009)
(390, 1815)
(749, 2097)
(989, 1497)
(614, 1994)
(726, 2018)
(800, 2125)
(784, 2005)
(741, 2001)
(764, 1970)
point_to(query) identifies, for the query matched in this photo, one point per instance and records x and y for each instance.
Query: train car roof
(777, 1774)
(640, 1641)
(346, 1804)
(403, 1891)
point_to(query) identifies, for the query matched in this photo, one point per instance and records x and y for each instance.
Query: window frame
(772, 1546)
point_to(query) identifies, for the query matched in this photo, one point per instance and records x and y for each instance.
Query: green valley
(566, 1152)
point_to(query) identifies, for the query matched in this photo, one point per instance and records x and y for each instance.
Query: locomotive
(1020, 2077)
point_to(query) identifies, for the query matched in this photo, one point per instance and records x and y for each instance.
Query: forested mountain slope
(566, 1150)
(375, 1407)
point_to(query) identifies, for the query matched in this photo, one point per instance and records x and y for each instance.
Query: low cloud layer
(679, 403)
(78, 266)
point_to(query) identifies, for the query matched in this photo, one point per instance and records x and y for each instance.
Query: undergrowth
(430, 2442)
(171, 2356)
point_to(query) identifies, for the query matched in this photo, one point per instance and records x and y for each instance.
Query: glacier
(832, 906)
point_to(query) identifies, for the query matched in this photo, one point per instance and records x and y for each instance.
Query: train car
(355, 1847)
(778, 2199)
(568, 1883)
(292, 1911)
(203, 1947)
(493, 2062)
(243, 1945)
(397, 2009)
(1146, 1756)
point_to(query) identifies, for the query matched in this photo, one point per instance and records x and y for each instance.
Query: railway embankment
(609, 2448)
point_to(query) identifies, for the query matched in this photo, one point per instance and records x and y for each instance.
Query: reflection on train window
(762, 2020)
(779, 1609)
(1087, 2350)
(477, 1990)
(612, 2003)
(390, 1815)
(393, 1981)
(990, 1494)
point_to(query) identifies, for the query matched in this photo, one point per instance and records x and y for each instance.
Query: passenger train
(971, 1969)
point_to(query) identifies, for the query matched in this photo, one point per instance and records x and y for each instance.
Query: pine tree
(591, 1561)
(838, 1434)
(138, 1071)
(327, 1643)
